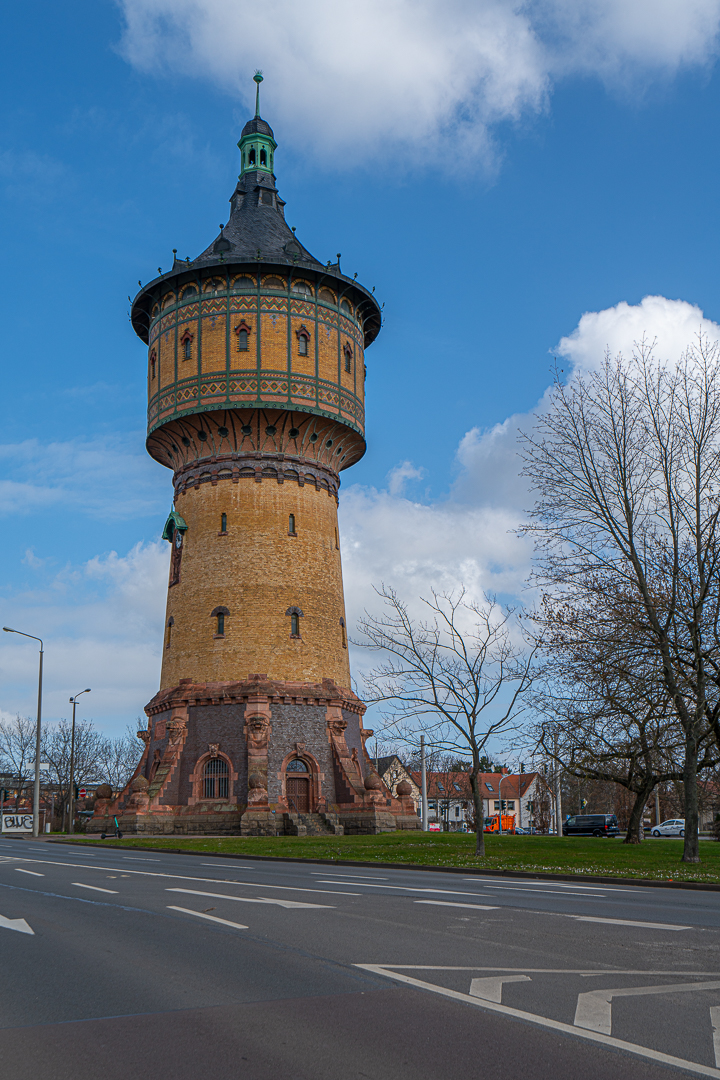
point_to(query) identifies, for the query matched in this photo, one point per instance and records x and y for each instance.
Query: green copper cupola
(257, 145)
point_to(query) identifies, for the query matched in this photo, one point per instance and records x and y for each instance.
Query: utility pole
(423, 785)
(36, 785)
(558, 794)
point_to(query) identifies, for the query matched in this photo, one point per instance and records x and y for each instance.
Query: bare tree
(626, 466)
(17, 750)
(87, 760)
(118, 758)
(456, 676)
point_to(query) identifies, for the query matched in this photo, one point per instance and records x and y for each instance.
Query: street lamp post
(36, 785)
(503, 776)
(71, 800)
(423, 785)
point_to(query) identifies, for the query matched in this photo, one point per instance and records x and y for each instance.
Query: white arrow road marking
(598, 1037)
(491, 989)
(594, 1009)
(33, 872)
(629, 922)
(451, 903)
(212, 918)
(95, 888)
(15, 924)
(252, 899)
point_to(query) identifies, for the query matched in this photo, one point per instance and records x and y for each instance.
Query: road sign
(17, 823)
(82, 793)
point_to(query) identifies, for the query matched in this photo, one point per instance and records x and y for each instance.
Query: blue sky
(495, 170)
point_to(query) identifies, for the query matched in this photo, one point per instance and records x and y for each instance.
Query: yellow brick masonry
(257, 571)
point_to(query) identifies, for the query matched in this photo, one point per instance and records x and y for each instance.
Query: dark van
(591, 825)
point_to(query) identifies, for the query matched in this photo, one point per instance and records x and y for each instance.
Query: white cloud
(102, 627)
(408, 78)
(106, 478)
(674, 323)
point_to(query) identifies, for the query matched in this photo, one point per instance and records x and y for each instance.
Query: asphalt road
(135, 964)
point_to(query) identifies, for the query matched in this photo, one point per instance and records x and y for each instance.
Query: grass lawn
(658, 859)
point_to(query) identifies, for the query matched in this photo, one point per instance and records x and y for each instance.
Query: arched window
(274, 283)
(263, 157)
(216, 779)
(189, 292)
(345, 307)
(251, 157)
(266, 197)
(295, 616)
(219, 613)
(344, 635)
(303, 337)
(243, 284)
(302, 287)
(223, 523)
(170, 624)
(326, 296)
(186, 341)
(296, 765)
(153, 362)
(347, 349)
(242, 330)
(291, 525)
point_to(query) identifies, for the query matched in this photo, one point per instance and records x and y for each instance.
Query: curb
(651, 883)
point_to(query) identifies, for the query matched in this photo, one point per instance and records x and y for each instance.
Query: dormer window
(242, 330)
(266, 197)
(303, 337)
(347, 349)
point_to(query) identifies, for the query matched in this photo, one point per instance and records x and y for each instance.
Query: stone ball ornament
(104, 791)
(404, 788)
(139, 785)
(373, 782)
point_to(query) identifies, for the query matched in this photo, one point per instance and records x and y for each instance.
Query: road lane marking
(545, 884)
(404, 888)
(127, 870)
(490, 989)
(544, 892)
(211, 918)
(350, 877)
(15, 924)
(34, 873)
(453, 903)
(715, 1021)
(392, 972)
(252, 899)
(626, 922)
(95, 888)
(594, 1008)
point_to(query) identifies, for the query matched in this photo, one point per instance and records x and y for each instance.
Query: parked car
(671, 827)
(591, 825)
(523, 830)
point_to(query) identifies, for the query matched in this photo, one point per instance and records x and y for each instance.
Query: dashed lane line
(452, 903)
(210, 918)
(95, 888)
(627, 922)
(34, 873)
(290, 904)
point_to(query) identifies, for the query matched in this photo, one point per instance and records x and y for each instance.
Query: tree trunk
(635, 830)
(479, 815)
(691, 847)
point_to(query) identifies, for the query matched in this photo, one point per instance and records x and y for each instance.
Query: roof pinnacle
(258, 78)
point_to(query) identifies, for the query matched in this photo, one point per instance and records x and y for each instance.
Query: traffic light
(77, 788)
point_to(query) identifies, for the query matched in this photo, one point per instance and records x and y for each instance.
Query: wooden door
(298, 794)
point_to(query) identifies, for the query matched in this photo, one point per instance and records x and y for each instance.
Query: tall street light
(71, 800)
(36, 785)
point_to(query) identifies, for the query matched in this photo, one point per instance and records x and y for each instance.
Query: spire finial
(258, 77)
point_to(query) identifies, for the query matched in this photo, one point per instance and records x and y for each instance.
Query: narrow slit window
(187, 349)
(223, 523)
(344, 635)
(337, 540)
(219, 614)
(294, 625)
(243, 331)
(303, 337)
(291, 525)
(348, 357)
(168, 637)
(153, 361)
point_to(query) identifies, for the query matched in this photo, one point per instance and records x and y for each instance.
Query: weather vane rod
(258, 77)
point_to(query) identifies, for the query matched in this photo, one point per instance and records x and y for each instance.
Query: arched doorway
(297, 786)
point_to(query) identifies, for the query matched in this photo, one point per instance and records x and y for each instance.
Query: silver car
(672, 827)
